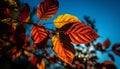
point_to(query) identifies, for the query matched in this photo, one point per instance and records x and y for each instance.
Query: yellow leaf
(65, 19)
(41, 65)
(64, 50)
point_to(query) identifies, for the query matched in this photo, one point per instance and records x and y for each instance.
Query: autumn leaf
(64, 19)
(33, 60)
(5, 13)
(108, 65)
(116, 49)
(64, 50)
(106, 43)
(24, 14)
(79, 33)
(39, 33)
(41, 65)
(47, 9)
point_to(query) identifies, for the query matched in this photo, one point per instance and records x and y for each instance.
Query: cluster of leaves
(15, 48)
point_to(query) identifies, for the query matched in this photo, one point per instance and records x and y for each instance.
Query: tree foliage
(17, 51)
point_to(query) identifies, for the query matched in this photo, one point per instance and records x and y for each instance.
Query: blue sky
(105, 12)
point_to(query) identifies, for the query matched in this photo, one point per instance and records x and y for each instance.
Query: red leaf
(24, 14)
(106, 43)
(39, 33)
(5, 13)
(33, 60)
(47, 9)
(116, 49)
(79, 33)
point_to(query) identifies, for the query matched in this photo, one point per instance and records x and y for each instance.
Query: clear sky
(105, 12)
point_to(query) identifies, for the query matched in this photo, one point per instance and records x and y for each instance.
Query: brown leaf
(47, 9)
(20, 35)
(106, 43)
(64, 50)
(24, 14)
(115, 49)
(79, 33)
(108, 65)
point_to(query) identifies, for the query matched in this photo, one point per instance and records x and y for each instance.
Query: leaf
(47, 9)
(5, 13)
(111, 56)
(109, 65)
(39, 33)
(20, 35)
(41, 65)
(64, 50)
(33, 60)
(106, 43)
(79, 33)
(116, 49)
(64, 19)
(24, 14)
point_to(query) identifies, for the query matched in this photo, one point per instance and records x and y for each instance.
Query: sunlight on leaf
(64, 19)
(63, 49)
(79, 33)
(39, 33)
(47, 9)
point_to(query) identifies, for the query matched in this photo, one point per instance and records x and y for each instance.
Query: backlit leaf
(116, 49)
(47, 9)
(106, 43)
(41, 65)
(64, 50)
(79, 33)
(24, 14)
(63, 19)
(39, 33)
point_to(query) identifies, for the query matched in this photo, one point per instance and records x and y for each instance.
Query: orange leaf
(79, 33)
(39, 33)
(106, 43)
(64, 50)
(41, 65)
(24, 14)
(47, 9)
(116, 49)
